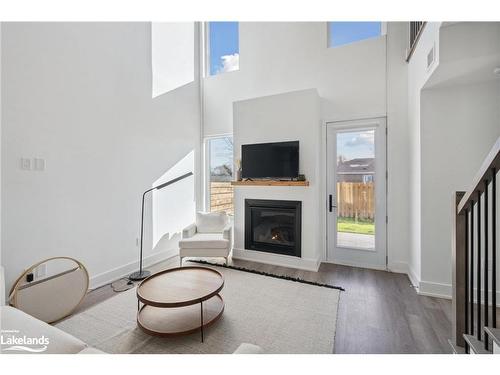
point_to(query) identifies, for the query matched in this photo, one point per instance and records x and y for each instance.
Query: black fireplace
(273, 226)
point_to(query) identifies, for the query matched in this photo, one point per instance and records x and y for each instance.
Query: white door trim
(359, 122)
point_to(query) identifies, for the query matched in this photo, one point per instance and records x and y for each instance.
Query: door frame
(324, 185)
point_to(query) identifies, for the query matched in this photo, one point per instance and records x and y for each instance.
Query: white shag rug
(279, 315)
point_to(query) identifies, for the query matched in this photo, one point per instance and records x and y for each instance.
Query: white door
(356, 193)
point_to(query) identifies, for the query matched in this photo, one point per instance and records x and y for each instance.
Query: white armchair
(210, 236)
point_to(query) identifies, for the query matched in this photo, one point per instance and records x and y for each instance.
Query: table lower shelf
(171, 321)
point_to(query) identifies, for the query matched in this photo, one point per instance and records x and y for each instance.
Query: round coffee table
(180, 301)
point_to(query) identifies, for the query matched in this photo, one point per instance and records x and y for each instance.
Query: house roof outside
(356, 166)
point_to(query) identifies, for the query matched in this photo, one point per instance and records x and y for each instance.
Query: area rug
(279, 315)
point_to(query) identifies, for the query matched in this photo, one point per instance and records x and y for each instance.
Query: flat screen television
(278, 160)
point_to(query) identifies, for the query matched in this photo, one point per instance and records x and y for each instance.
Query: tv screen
(270, 160)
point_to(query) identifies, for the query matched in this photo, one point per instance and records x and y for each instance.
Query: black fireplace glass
(273, 226)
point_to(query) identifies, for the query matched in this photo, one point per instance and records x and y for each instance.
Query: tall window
(223, 47)
(220, 168)
(341, 33)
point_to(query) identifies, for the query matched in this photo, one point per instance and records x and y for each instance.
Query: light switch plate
(39, 164)
(26, 164)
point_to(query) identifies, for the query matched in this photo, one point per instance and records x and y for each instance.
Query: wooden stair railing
(474, 251)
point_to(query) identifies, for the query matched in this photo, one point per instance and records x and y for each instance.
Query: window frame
(206, 167)
(383, 32)
(206, 50)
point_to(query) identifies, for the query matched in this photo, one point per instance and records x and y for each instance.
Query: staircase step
(456, 349)
(475, 345)
(494, 334)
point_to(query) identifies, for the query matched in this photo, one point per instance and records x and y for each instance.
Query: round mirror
(51, 289)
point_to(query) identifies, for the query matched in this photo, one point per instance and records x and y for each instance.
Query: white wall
(459, 125)
(172, 53)
(398, 157)
(285, 117)
(1, 257)
(174, 204)
(277, 57)
(452, 104)
(79, 96)
(418, 74)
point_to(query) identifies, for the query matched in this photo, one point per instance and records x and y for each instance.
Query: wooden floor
(379, 312)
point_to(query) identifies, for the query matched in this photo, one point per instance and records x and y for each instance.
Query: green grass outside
(350, 225)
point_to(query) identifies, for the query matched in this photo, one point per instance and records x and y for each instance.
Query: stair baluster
(471, 268)
(478, 286)
(486, 310)
(475, 256)
(494, 247)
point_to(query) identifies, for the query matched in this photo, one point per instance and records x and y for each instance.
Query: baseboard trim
(107, 277)
(404, 267)
(428, 288)
(277, 260)
(414, 279)
(360, 265)
(398, 267)
(431, 289)
(441, 290)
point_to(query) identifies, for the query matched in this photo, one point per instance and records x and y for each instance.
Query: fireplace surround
(273, 226)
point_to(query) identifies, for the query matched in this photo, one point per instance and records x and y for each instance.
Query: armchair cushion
(90, 350)
(246, 348)
(2, 286)
(227, 232)
(189, 231)
(204, 241)
(202, 253)
(210, 222)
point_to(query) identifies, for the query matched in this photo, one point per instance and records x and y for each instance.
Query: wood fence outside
(221, 197)
(356, 200)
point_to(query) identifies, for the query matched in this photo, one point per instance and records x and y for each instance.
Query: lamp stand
(139, 275)
(142, 274)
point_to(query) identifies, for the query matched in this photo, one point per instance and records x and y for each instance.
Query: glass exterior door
(355, 189)
(356, 193)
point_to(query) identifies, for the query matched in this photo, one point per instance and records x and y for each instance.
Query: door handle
(330, 203)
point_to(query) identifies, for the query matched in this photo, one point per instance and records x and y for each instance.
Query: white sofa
(247, 348)
(210, 236)
(16, 324)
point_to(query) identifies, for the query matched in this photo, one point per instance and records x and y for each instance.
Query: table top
(182, 286)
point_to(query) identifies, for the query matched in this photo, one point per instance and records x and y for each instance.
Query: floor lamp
(142, 274)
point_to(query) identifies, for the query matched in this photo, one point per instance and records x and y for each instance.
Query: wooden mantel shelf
(269, 183)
